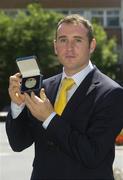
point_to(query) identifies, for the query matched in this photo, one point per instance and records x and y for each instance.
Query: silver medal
(30, 83)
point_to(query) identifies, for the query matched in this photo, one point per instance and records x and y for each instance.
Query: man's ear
(55, 48)
(92, 45)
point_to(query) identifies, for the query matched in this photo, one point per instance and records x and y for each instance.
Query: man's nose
(70, 45)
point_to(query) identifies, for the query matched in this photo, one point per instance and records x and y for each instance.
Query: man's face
(72, 47)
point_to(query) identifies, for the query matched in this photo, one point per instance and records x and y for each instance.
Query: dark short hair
(77, 19)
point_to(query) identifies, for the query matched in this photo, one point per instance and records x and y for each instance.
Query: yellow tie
(61, 101)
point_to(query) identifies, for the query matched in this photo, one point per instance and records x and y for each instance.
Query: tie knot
(67, 83)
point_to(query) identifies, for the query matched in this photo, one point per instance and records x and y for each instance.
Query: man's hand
(14, 89)
(41, 108)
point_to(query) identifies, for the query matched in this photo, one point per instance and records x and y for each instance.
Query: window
(77, 11)
(109, 18)
(106, 18)
(113, 19)
(11, 12)
(97, 16)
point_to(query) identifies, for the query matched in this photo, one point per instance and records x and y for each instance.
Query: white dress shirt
(78, 78)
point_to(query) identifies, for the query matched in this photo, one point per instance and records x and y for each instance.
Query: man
(76, 140)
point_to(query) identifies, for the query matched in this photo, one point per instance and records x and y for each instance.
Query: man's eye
(63, 40)
(78, 40)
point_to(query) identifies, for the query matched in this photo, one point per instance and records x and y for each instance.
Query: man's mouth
(70, 56)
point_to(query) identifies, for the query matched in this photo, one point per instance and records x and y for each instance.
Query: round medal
(30, 83)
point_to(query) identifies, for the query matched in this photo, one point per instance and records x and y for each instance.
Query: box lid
(28, 66)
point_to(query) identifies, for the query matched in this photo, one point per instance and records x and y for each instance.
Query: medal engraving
(30, 83)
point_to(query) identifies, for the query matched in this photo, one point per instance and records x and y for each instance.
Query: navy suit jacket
(79, 144)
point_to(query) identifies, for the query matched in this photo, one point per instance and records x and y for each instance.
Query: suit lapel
(52, 89)
(85, 88)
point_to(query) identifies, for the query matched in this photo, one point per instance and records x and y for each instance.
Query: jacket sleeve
(92, 145)
(19, 131)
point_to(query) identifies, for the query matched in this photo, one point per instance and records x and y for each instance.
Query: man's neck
(71, 72)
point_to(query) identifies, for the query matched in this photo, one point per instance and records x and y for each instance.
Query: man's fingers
(14, 83)
(28, 100)
(43, 95)
(35, 98)
(15, 77)
(14, 89)
(30, 103)
(18, 74)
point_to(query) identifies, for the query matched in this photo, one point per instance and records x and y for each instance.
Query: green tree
(28, 33)
(32, 33)
(105, 55)
(5, 22)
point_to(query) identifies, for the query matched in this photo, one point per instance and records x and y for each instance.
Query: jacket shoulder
(52, 78)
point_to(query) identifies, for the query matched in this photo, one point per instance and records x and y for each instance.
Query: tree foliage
(105, 55)
(28, 33)
(32, 33)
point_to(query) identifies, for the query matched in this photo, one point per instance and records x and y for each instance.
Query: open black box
(31, 76)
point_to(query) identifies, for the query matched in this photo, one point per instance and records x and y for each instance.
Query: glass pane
(113, 12)
(64, 12)
(11, 13)
(77, 12)
(97, 12)
(113, 21)
(98, 20)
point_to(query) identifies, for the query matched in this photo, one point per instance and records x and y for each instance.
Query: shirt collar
(79, 77)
